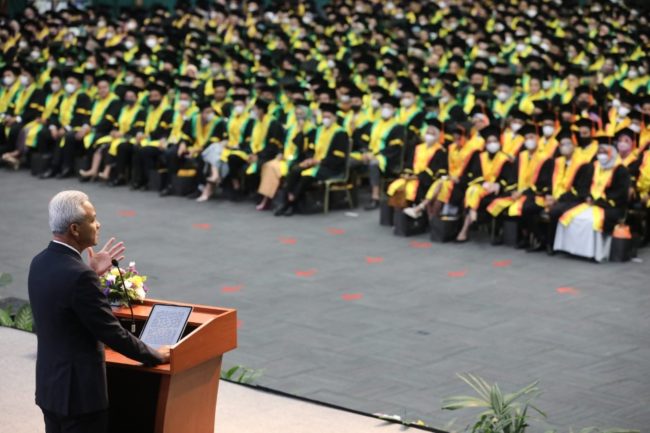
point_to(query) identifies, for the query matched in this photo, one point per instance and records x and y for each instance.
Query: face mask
(35, 55)
(253, 115)
(515, 126)
(633, 74)
(70, 88)
(634, 127)
(530, 143)
(331, 64)
(375, 103)
(183, 104)
(345, 98)
(520, 47)
(205, 63)
(216, 70)
(209, 117)
(51, 64)
(499, 27)
(492, 147)
(535, 39)
(356, 108)
(8, 81)
(616, 103)
(129, 79)
(112, 61)
(386, 113)
(566, 149)
(430, 138)
(603, 159)
(55, 87)
(532, 13)
(129, 44)
(327, 122)
(544, 46)
(444, 99)
(110, 35)
(24, 80)
(624, 146)
(502, 96)
(546, 84)
(131, 25)
(623, 111)
(150, 42)
(548, 130)
(130, 102)
(22, 44)
(407, 102)
(144, 63)
(238, 110)
(398, 93)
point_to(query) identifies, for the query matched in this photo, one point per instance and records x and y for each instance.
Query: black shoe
(48, 174)
(194, 195)
(136, 186)
(66, 172)
(290, 211)
(523, 244)
(372, 205)
(282, 209)
(166, 191)
(117, 182)
(549, 250)
(535, 248)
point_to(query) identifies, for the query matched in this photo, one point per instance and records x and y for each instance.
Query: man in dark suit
(74, 320)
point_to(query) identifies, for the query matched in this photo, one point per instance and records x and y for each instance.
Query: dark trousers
(94, 422)
(64, 156)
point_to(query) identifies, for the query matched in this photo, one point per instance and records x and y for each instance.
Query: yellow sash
(23, 98)
(66, 110)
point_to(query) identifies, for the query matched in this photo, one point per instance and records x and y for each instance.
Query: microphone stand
(126, 294)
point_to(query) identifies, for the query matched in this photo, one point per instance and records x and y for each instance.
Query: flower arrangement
(111, 284)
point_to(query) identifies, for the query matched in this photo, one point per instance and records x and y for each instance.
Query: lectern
(179, 397)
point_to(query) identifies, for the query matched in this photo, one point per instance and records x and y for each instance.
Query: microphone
(126, 293)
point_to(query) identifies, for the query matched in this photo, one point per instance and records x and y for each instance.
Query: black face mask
(584, 141)
(356, 108)
(130, 102)
(582, 105)
(154, 103)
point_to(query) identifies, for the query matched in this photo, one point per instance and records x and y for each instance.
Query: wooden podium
(179, 397)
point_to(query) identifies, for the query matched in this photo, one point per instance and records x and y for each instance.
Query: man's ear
(74, 230)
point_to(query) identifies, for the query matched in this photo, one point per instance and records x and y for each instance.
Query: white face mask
(70, 88)
(430, 138)
(566, 149)
(109, 35)
(205, 63)
(623, 111)
(131, 25)
(375, 103)
(532, 13)
(150, 42)
(407, 102)
(603, 159)
(129, 79)
(55, 87)
(546, 84)
(129, 44)
(499, 27)
(492, 147)
(183, 104)
(633, 74)
(444, 99)
(616, 103)
(35, 55)
(502, 96)
(238, 110)
(520, 47)
(144, 63)
(530, 143)
(548, 130)
(386, 113)
(634, 127)
(209, 117)
(327, 122)
(535, 39)
(544, 46)
(253, 115)
(8, 81)
(515, 126)
(24, 80)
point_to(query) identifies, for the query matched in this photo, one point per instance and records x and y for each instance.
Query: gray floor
(335, 308)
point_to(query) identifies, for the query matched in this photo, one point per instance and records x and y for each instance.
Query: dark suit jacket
(73, 319)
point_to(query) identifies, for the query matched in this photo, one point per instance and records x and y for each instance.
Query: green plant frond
(5, 319)
(536, 409)
(496, 399)
(462, 402)
(527, 390)
(24, 320)
(228, 374)
(477, 384)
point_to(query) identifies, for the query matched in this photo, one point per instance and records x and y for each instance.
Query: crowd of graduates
(531, 110)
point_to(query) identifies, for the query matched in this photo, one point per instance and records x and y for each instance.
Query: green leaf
(462, 402)
(5, 319)
(5, 279)
(230, 372)
(477, 384)
(24, 320)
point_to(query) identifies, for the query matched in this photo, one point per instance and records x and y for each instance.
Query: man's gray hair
(66, 208)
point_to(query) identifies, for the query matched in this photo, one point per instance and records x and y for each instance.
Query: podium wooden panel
(179, 397)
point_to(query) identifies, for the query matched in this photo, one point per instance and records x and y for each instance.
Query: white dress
(579, 238)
